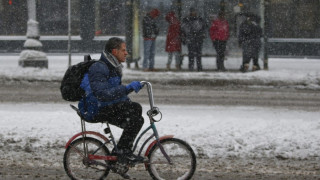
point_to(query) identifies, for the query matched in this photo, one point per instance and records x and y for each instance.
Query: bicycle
(88, 157)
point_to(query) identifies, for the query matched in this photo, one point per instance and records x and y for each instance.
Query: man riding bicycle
(106, 99)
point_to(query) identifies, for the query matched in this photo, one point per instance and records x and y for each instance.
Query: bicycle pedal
(138, 160)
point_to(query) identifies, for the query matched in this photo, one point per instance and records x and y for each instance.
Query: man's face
(120, 53)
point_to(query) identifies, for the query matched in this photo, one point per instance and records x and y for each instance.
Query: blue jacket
(102, 86)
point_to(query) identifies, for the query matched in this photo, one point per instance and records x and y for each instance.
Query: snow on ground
(304, 72)
(213, 131)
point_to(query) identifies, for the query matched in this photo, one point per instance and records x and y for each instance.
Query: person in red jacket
(219, 34)
(173, 43)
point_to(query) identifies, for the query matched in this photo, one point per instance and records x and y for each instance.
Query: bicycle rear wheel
(182, 156)
(77, 166)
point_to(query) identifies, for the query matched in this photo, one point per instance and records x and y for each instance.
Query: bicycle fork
(164, 152)
(159, 144)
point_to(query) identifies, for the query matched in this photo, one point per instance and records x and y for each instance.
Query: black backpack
(70, 84)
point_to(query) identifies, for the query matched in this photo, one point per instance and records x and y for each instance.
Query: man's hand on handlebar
(134, 85)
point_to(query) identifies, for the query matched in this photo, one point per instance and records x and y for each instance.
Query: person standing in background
(192, 34)
(250, 33)
(219, 34)
(173, 43)
(150, 32)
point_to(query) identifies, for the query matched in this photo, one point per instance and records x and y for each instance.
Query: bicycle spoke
(78, 151)
(78, 166)
(182, 156)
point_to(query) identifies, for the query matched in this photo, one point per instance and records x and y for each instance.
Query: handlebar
(150, 93)
(153, 110)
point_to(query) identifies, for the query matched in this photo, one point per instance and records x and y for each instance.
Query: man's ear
(114, 51)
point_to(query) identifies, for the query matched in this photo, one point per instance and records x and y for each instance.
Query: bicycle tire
(180, 153)
(74, 162)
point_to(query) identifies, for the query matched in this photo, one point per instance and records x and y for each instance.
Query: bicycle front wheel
(182, 157)
(77, 165)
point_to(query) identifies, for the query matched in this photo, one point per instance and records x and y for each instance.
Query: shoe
(178, 67)
(134, 158)
(255, 67)
(136, 66)
(168, 67)
(222, 70)
(125, 175)
(126, 155)
(244, 68)
(149, 70)
(121, 169)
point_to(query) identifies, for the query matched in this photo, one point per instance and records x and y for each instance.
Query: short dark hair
(113, 43)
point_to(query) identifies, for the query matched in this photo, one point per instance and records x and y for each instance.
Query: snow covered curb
(308, 81)
(260, 78)
(299, 73)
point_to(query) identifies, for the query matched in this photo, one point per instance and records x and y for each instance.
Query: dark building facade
(292, 26)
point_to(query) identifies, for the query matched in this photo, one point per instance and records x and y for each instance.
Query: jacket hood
(154, 13)
(171, 18)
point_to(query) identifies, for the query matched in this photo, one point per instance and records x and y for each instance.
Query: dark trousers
(220, 47)
(246, 60)
(126, 115)
(195, 52)
(251, 51)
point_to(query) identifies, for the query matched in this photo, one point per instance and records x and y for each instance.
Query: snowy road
(236, 142)
(237, 133)
(292, 98)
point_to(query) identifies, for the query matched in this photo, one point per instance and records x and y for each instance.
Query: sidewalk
(301, 73)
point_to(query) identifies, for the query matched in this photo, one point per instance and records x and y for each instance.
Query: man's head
(117, 47)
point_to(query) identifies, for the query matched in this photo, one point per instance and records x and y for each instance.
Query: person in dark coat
(173, 42)
(219, 34)
(106, 99)
(150, 31)
(249, 39)
(192, 34)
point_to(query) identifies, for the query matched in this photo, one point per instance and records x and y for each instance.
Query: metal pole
(69, 31)
(179, 5)
(265, 39)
